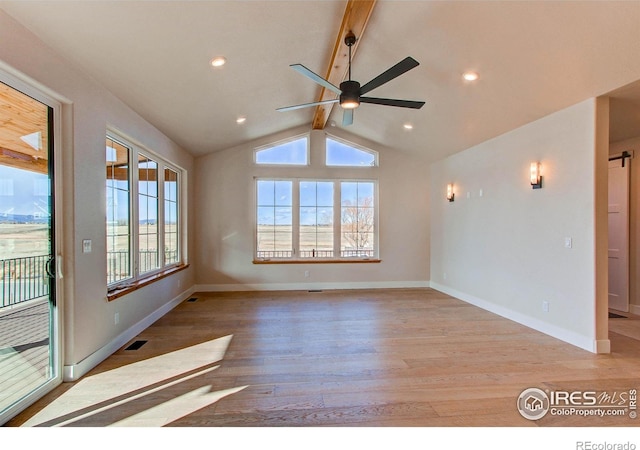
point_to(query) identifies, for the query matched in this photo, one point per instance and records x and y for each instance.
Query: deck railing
(118, 267)
(23, 279)
(267, 254)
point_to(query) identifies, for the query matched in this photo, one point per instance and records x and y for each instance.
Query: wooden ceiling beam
(355, 19)
(23, 161)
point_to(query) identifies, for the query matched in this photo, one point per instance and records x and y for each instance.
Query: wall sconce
(450, 194)
(536, 178)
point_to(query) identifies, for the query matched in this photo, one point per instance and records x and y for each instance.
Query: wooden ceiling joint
(355, 19)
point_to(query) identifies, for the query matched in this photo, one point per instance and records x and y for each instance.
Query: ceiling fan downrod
(349, 40)
(350, 95)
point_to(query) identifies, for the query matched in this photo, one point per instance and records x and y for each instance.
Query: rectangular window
(299, 219)
(118, 223)
(357, 219)
(148, 235)
(170, 217)
(316, 219)
(143, 190)
(275, 219)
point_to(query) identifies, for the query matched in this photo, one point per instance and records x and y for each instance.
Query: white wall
(225, 221)
(505, 249)
(89, 329)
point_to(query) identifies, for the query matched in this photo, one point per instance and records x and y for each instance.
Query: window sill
(142, 282)
(316, 261)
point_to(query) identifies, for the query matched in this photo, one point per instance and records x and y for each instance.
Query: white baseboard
(570, 337)
(75, 371)
(309, 286)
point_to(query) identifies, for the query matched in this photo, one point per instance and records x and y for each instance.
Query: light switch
(86, 246)
(567, 242)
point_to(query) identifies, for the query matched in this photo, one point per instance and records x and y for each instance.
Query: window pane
(148, 248)
(118, 223)
(289, 153)
(171, 255)
(307, 193)
(274, 218)
(357, 219)
(266, 192)
(283, 193)
(316, 219)
(341, 154)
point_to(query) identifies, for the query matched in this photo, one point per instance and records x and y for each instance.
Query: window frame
(283, 142)
(136, 278)
(337, 221)
(376, 156)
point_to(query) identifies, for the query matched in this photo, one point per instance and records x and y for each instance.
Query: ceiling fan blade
(347, 117)
(315, 77)
(403, 66)
(306, 105)
(392, 102)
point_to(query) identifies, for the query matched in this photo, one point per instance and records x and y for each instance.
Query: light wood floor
(401, 357)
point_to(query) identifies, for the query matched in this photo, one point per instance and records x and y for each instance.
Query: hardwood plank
(385, 358)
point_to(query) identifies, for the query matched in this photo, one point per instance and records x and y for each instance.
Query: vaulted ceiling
(532, 57)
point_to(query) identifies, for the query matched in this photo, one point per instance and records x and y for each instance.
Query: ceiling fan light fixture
(349, 103)
(350, 96)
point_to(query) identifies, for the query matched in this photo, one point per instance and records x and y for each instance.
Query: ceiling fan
(351, 93)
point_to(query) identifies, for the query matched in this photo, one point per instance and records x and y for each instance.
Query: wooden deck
(24, 349)
(381, 358)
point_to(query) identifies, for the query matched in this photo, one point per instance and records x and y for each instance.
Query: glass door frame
(27, 86)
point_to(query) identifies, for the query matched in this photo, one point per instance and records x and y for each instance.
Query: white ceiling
(533, 57)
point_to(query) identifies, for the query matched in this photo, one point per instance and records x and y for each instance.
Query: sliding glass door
(28, 311)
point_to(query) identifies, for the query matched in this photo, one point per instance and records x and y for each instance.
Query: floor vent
(616, 316)
(315, 290)
(136, 345)
(192, 299)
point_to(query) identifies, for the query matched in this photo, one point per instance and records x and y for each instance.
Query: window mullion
(295, 217)
(337, 218)
(134, 212)
(161, 216)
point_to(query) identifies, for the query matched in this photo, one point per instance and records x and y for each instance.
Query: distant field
(275, 239)
(22, 240)
(279, 237)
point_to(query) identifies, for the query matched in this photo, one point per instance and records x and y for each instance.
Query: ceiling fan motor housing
(350, 96)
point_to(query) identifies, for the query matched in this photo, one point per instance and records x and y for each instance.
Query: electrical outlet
(545, 306)
(568, 242)
(306, 274)
(116, 318)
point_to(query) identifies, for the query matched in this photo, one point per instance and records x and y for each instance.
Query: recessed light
(218, 61)
(470, 76)
(408, 126)
(241, 120)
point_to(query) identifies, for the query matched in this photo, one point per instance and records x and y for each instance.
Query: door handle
(49, 267)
